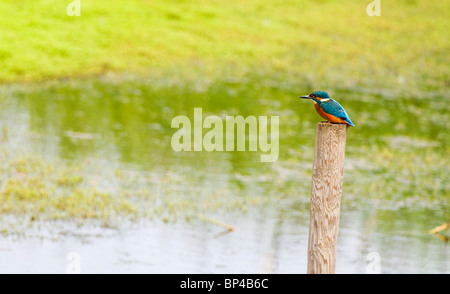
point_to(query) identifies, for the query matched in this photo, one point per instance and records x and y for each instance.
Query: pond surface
(260, 243)
(116, 134)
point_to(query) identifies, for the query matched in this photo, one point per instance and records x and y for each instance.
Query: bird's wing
(334, 108)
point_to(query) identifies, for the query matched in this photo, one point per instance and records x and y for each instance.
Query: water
(260, 243)
(112, 136)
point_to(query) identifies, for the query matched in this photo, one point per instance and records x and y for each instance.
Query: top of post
(324, 124)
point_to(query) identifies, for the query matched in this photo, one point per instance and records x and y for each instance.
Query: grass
(324, 44)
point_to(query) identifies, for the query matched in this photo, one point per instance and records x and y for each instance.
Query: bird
(328, 108)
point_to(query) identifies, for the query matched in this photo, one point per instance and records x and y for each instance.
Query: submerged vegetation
(113, 155)
(31, 187)
(36, 189)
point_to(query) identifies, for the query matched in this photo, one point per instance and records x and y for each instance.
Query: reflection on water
(396, 183)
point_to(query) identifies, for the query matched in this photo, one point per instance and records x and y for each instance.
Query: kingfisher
(328, 108)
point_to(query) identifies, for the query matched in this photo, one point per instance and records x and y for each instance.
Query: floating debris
(440, 228)
(216, 222)
(436, 232)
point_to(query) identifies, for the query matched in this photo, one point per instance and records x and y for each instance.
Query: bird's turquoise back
(334, 108)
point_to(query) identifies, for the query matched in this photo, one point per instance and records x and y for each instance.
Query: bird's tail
(349, 122)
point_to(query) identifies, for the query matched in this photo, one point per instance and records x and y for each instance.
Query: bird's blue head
(317, 96)
(320, 94)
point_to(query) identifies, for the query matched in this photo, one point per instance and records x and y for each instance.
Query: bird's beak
(305, 97)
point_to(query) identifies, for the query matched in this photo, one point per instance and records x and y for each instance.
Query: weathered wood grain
(326, 189)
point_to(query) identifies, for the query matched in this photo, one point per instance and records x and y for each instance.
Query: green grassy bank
(322, 44)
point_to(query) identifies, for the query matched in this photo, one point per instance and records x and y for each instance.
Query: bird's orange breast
(328, 116)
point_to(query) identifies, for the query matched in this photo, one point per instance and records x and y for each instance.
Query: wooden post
(326, 189)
